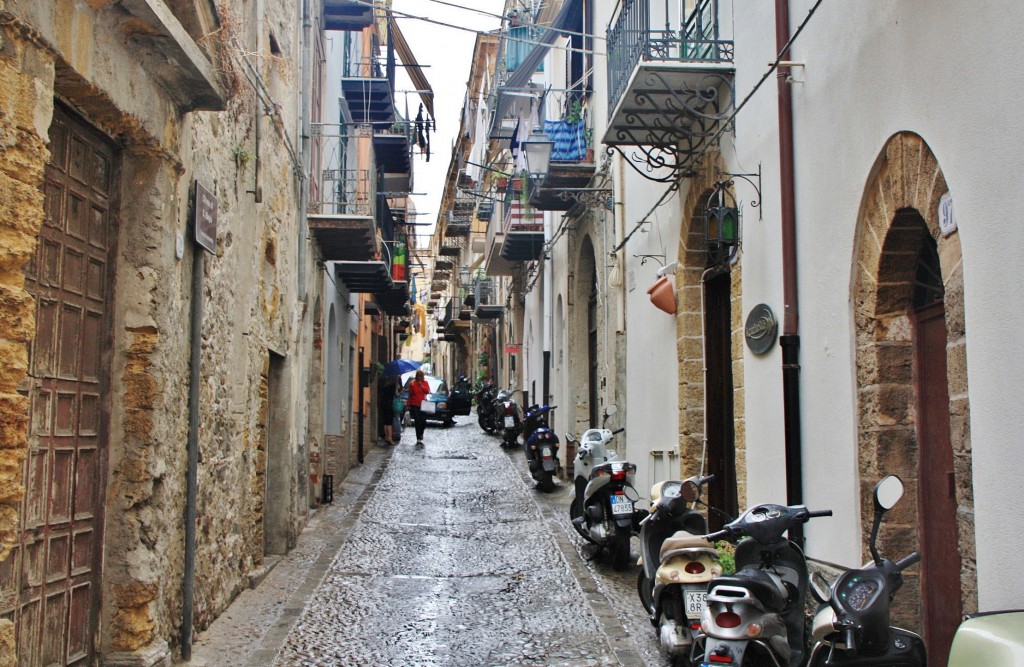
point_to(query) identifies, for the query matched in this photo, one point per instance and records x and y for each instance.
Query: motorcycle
(485, 405)
(676, 564)
(506, 418)
(541, 446)
(602, 510)
(852, 626)
(757, 614)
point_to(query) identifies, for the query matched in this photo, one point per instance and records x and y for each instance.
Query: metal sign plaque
(205, 220)
(760, 329)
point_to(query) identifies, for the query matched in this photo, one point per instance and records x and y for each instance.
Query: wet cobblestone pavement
(441, 555)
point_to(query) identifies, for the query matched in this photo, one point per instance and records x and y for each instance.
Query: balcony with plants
(670, 80)
(571, 165)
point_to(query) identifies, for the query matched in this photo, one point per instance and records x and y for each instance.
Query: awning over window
(419, 79)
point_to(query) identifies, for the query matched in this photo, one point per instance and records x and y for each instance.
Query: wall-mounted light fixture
(722, 224)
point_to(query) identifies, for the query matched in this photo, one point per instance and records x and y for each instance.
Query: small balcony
(486, 297)
(368, 92)
(452, 246)
(392, 146)
(669, 88)
(524, 233)
(460, 218)
(342, 206)
(347, 15)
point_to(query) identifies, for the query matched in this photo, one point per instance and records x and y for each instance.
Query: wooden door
(721, 432)
(51, 581)
(940, 562)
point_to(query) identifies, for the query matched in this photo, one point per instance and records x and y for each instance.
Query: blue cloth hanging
(569, 138)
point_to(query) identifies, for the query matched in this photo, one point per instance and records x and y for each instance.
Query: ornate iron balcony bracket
(756, 203)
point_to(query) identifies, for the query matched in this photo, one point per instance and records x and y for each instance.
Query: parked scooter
(676, 564)
(756, 616)
(852, 626)
(602, 510)
(989, 638)
(541, 446)
(485, 405)
(506, 417)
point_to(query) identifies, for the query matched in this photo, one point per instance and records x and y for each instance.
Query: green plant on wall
(575, 113)
(243, 157)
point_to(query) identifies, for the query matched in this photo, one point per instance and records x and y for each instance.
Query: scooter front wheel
(485, 423)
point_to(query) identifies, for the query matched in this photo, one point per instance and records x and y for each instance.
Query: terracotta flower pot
(663, 295)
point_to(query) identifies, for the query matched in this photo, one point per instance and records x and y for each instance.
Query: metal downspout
(192, 453)
(306, 91)
(790, 338)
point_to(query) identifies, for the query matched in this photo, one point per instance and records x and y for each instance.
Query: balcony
(347, 15)
(487, 307)
(368, 92)
(392, 146)
(670, 90)
(460, 217)
(524, 233)
(452, 246)
(342, 204)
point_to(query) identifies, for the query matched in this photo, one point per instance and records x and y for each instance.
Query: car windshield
(437, 385)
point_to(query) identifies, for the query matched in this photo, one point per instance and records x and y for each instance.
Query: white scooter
(602, 510)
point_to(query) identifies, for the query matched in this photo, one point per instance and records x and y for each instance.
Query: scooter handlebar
(718, 535)
(908, 561)
(618, 430)
(812, 515)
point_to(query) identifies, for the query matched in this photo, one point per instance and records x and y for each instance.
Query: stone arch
(581, 281)
(693, 263)
(899, 214)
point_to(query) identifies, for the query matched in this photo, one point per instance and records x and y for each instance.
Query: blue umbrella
(400, 366)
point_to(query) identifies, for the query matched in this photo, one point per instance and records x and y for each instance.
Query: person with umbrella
(418, 390)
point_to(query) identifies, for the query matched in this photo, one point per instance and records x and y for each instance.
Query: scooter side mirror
(888, 492)
(690, 492)
(608, 412)
(569, 437)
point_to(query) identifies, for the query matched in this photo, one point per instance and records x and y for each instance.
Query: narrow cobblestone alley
(442, 555)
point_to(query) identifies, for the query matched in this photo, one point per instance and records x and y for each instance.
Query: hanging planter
(663, 295)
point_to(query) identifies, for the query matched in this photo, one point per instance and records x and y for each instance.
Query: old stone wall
(247, 156)
(24, 98)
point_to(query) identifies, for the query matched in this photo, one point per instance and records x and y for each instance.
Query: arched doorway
(708, 324)
(584, 332)
(912, 384)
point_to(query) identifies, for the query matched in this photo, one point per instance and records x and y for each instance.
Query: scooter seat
(689, 544)
(760, 585)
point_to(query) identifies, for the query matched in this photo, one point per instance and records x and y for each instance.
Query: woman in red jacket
(418, 390)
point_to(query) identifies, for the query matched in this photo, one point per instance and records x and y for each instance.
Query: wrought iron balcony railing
(631, 40)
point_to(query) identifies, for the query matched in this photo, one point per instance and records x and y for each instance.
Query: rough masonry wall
(24, 97)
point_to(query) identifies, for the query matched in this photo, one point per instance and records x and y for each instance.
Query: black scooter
(852, 626)
(461, 398)
(541, 446)
(485, 405)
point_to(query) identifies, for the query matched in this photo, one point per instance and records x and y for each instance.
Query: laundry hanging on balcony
(569, 138)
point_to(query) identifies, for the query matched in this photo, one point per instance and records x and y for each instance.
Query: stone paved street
(444, 555)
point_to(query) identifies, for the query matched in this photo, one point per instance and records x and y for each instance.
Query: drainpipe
(192, 455)
(306, 92)
(790, 338)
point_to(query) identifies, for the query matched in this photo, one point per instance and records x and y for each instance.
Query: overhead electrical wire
(414, 17)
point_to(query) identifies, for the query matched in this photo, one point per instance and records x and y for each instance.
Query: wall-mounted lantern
(722, 224)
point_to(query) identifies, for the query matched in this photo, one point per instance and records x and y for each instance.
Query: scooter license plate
(695, 602)
(510, 422)
(622, 505)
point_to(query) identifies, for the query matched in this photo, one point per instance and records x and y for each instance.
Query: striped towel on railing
(570, 140)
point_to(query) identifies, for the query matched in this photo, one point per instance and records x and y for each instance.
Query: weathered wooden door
(940, 563)
(721, 431)
(53, 572)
